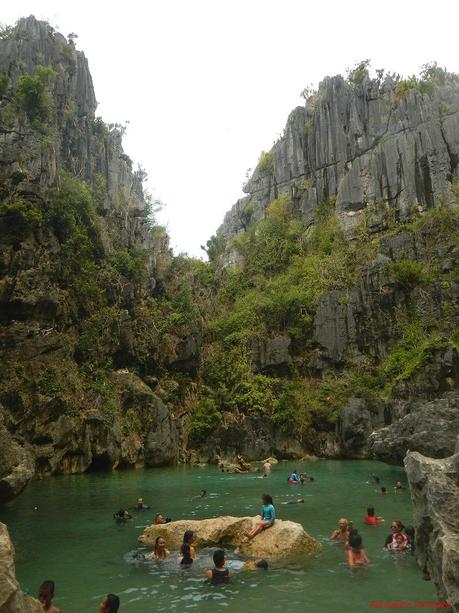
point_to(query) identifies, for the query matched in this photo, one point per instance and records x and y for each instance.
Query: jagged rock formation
(434, 486)
(86, 284)
(365, 145)
(285, 540)
(12, 599)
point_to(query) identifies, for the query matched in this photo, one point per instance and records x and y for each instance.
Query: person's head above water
(399, 537)
(188, 537)
(355, 541)
(260, 563)
(109, 604)
(202, 493)
(343, 524)
(266, 498)
(160, 544)
(46, 593)
(371, 511)
(383, 490)
(159, 519)
(300, 500)
(219, 558)
(396, 526)
(140, 500)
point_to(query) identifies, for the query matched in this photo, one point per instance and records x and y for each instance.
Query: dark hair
(383, 489)
(219, 557)
(409, 531)
(113, 603)
(188, 535)
(399, 524)
(353, 532)
(157, 541)
(371, 511)
(262, 564)
(311, 479)
(186, 554)
(46, 593)
(267, 499)
(355, 541)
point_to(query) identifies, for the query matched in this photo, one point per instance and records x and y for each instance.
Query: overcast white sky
(208, 84)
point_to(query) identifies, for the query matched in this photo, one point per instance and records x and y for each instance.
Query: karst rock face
(351, 142)
(434, 486)
(57, 415)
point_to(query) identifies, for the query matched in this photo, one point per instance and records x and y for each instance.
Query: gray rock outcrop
(429, 427)
(365, 146)
(17, 466)
(12, 599)
(434, 486)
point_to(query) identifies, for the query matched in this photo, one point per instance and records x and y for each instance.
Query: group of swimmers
(400, 539)
(221, 571)
(398, 487)
(109, 603)
(294, 479)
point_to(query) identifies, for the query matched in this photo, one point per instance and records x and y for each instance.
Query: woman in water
(294, 478)
(371, 519)
(189, 539)
(109, 604)
(185, 558)
(46, 595)
(219, 574)
(356, 555)
(160, 552)
(396, 528)
(268, 517)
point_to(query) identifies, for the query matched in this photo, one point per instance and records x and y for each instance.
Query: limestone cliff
(93, 312)
(434, 486)
(12, 599)
(337, 273)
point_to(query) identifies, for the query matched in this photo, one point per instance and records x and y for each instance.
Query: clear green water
(72, 538)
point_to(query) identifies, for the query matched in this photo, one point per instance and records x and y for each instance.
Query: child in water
(185, 558)
(398, 544)
(268, 517)
(46, 595)
(219, 574)
(189, 539)
(356, 555)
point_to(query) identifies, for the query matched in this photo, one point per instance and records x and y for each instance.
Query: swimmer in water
(398, 486)
(342, 532)
(219, 574)
(45, 596)
(122, 515)
(185, 558)
(383, 491)
(293, 477)
(297, 501)
(109, 604)
(399, 543)
(189, 539)
(302, 479)
(202, 493)
(140, 505)
(160, 552)
(356, 555)
(371, 519)
(159, 519)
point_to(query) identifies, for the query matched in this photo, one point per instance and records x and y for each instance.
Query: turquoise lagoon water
(70, 537)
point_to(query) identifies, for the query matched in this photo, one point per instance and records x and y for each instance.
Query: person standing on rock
(266, 469)
(268, 517)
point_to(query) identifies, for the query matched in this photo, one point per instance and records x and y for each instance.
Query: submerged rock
(12, 599)
(434, 486)
(286, 540)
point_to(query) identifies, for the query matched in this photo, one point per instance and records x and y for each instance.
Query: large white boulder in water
(286, 540)
(12, 599)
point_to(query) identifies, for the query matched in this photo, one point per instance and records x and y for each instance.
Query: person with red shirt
(371, 519)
